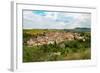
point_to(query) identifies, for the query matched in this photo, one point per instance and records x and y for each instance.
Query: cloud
(35, 21)
(55, 20)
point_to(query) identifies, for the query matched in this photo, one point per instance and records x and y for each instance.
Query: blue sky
(40, 19)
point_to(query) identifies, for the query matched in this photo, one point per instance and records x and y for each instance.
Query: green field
(65, 50)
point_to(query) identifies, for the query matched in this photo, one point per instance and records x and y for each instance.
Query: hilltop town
(52, 37)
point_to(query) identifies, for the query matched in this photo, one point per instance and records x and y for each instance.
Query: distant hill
(83, 29)
(78, 29)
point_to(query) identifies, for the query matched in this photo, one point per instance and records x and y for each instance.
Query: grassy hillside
(65, 50)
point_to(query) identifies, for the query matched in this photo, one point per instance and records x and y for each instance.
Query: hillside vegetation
(55, 45)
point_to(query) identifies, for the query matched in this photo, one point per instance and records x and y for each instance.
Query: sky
(39, 19)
